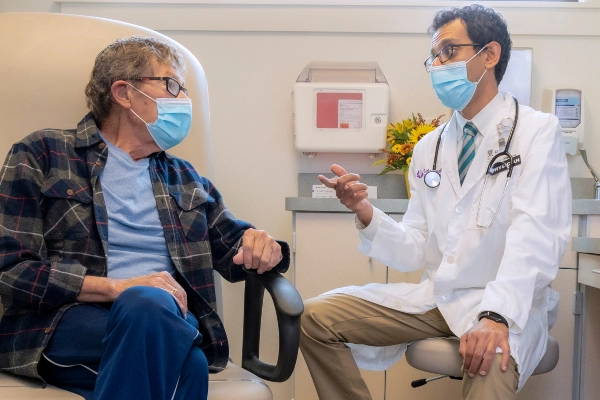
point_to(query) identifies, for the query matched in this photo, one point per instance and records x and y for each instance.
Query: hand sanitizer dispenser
(567, 105)
(341, 108)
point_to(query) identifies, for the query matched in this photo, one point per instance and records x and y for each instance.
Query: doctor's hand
(351, 192)
(478, 346)
(258, 251)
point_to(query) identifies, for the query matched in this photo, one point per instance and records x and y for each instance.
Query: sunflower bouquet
(402, 138)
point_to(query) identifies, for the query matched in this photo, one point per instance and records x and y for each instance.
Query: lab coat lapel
(488, 128)
(450, 155)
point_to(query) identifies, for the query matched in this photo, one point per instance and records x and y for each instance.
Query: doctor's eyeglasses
(173, 87)
(445, 54)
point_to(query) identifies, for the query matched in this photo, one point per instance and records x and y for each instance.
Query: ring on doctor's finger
(173, 291)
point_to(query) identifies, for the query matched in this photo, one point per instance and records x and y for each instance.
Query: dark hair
(484, 25)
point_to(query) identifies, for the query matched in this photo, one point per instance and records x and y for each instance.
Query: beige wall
(29, 6)
(253, 58)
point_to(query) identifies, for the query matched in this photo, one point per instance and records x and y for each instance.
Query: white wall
(253, 54)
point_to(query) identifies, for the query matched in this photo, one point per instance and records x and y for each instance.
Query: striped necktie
(468, 151)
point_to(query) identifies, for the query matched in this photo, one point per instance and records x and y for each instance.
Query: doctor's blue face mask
(173, 122)
(451, 84)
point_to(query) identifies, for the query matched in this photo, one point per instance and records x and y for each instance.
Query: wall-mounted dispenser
(567, 105)
(341, 108)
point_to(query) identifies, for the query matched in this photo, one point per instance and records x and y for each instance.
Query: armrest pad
(288, 308)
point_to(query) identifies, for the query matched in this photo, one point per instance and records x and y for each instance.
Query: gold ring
(173, 291)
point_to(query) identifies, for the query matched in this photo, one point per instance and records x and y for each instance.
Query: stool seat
(440, 356)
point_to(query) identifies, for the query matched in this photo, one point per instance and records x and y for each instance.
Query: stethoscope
(433, 178)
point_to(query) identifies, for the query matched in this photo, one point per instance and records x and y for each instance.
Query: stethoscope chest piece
(432, 179)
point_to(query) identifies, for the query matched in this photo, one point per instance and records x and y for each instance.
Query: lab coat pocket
(491, 208)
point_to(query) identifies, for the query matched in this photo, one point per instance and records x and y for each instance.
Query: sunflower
(408, 124)
(399, 131)
(393, 159)
(405, 148)
(402, 138)
(417, 134)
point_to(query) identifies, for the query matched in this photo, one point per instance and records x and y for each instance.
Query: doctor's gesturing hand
(478, 346)
(351, 192)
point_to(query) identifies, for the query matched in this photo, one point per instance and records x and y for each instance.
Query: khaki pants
(331, 321)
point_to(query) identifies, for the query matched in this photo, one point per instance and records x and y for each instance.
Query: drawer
(589, 269)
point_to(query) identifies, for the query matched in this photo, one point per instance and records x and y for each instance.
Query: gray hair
(126, 58)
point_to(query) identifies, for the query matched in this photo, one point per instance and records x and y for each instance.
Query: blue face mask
(173, 122)
(451, 84)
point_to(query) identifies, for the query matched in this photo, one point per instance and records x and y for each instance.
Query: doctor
(489, 255)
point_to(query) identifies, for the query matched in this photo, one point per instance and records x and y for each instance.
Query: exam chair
(46, 63)
(440, 356)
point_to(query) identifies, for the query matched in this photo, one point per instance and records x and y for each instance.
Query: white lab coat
(507, 268)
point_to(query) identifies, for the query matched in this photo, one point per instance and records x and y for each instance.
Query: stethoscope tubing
(433, 178)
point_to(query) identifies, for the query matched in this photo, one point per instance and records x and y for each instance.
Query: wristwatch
(493, 316)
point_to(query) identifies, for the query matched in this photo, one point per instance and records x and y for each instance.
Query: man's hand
(478, 346)
(352, 193)
(258, 251)
(99, 289)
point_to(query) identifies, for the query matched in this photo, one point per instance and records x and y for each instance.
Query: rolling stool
(440, 356)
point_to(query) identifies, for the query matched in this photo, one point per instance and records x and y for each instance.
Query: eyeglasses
(173, 87)
(445, 54)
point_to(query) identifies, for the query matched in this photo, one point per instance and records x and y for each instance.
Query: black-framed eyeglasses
(173, 87)
(445, 54)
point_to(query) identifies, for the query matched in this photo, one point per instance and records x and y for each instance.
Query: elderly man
(109, 243)
(489, 219)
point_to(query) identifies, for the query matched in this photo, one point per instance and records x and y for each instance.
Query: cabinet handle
(596, 271)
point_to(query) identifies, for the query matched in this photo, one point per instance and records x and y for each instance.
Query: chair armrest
(288, 307)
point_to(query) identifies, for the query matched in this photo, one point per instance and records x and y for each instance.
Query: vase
(407, 185)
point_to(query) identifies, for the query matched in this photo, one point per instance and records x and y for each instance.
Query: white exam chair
(46, 62)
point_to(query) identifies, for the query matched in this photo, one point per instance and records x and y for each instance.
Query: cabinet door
(327, 257)
(591, 350)
(570, 258)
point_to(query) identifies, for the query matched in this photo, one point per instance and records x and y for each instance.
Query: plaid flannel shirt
(54, 232)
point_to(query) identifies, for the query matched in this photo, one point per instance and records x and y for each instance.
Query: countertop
(392, 189)
(399, 206)
(586, 245)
